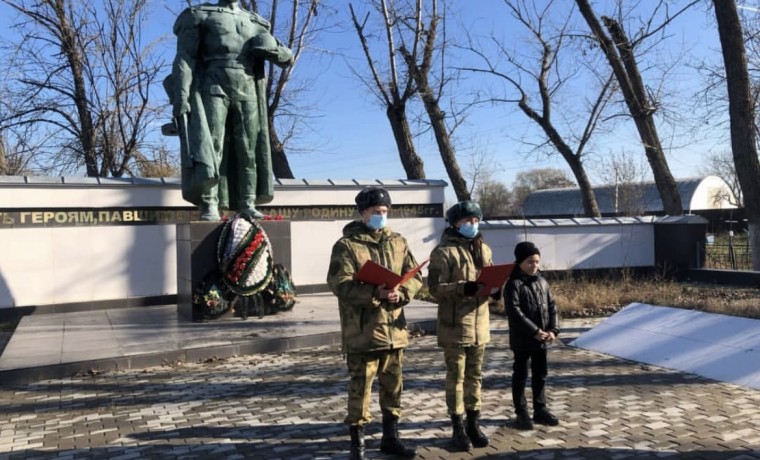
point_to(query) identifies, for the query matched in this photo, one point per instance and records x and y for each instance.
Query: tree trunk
(436, 115)
(74, 57)
(631, 84)
(742, 114)
(590, 206)
(642, 110)
(443, 140)
(411, 162)
(3, 160)
(280, 164)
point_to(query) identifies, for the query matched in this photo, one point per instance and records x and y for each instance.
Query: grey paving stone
(291, 405)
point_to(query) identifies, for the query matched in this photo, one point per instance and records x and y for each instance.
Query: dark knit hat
(372, 196)
(461, 210)
(524, 250)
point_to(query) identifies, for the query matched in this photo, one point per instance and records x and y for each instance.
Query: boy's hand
(541, 336)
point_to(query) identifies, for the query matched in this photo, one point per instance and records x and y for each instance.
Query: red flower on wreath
(241, 261)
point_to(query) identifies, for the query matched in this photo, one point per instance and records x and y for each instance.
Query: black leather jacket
(530, 307)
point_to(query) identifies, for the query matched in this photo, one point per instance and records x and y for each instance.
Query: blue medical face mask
(377, 221)
(468, 230)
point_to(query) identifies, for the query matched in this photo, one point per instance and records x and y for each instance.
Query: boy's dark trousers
(539, 370)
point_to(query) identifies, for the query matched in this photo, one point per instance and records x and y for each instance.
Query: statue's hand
(285, 56)
(181, 109)
(283, 64)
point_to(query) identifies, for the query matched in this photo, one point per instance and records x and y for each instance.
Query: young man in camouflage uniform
(373, 326)
(463, 318)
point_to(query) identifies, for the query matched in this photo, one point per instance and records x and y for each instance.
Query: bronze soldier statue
(218, 92)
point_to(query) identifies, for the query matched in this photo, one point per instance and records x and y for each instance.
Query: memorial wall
(83, 243)
(91, 243)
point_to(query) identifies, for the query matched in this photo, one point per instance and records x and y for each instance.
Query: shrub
(582, 297)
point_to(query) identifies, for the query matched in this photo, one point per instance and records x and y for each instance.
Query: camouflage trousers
(362, 369)
(463, 377)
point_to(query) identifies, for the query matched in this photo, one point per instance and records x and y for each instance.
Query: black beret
(372, 196)
(524, 250)
(461, 210)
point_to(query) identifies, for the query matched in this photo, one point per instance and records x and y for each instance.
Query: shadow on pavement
(608, 453)
(321, 449)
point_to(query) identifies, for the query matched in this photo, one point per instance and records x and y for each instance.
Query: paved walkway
(290, 405)
(61, 345)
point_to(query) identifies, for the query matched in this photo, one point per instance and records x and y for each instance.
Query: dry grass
(600, 297)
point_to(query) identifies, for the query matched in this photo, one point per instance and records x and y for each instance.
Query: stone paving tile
(291, 405)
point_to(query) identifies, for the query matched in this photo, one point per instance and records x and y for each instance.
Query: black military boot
(478, 438)
(391, 443)
(459, 439)
(544, 417)
(357, 442)
(523, 421)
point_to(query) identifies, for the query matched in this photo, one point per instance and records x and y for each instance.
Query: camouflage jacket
(368, 323)
(461, 320)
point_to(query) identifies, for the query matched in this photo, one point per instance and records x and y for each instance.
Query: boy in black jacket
(533, 324)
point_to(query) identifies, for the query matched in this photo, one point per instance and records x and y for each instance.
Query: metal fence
(728, 256)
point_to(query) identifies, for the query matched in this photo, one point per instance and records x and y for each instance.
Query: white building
(697, 194)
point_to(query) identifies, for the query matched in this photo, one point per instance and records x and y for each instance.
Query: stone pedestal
(196, 256)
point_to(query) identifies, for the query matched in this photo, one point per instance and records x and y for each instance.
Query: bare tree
(6, 161)
(3, 158)
(13, 162)
(79, 69)
(620, 51)
(713, 95)
(627, 176)
(742, 113)
(494, 198)
(419, 62)
(162, 164)
(482, 167)
(393, 90)
(492, 195)
(18, 149)
(299, 25)
(549, 77)
(536, 179)
(721, 164)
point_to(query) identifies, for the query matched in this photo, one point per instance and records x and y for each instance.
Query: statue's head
(227, 2)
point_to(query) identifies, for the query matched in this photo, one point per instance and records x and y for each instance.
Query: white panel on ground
(720, 347)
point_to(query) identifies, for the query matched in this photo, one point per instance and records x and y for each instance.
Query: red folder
(375, 274)
(492, 277)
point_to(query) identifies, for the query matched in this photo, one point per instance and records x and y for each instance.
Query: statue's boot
(248, 208)
(210, 213)
(210, 205)
(252, 212)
